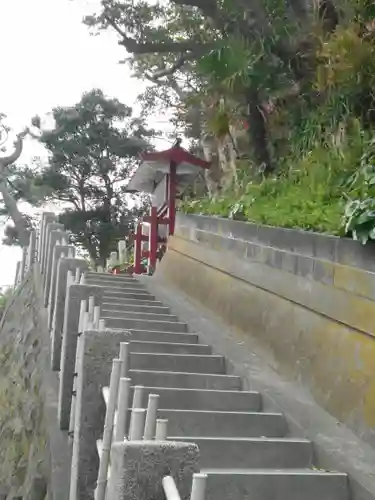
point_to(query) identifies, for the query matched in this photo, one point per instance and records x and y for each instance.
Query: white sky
(48, 59)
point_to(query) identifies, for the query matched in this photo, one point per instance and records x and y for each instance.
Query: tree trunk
(258, 133)
(15, 214)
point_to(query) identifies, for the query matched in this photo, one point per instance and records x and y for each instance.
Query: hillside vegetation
(278, 95)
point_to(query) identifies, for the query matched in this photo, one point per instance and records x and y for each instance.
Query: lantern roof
(156, 164)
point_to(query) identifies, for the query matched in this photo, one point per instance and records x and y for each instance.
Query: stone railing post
(94, 364)
(31, 253)
(18, 271)
(75, 294)
(55, 235)
(58, 252)
(51, 226)
(141, 466)
(23, 264)
(64, 265)
(47, 218)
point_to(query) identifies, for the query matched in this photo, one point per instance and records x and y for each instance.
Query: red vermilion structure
(163, 174)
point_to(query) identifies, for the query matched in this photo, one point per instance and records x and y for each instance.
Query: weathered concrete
(94, 368)
(31, 254)
(202, 399)
(144, 324)
(182, 363)
(252, 453)
(23, 267)
(223, 423)
(50, 226)
(53, 237)
(63, 267)
(47, 217)
(34, 453)
(75, 294)
(185, 380)
(335, 446)
(59, 251)
(316, 332)
(138, 467)
(268, 485)
(169, 348)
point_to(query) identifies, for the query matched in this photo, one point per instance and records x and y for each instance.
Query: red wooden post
(172, 178)
(138, 249)
(153, 239)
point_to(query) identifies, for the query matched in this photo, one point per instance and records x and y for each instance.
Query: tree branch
(18, 146)
(140, 48)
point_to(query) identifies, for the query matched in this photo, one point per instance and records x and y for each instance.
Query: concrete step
(143, 324)
(287, 484)
(224, 423)
(251, 453)
(110, 277)
(185, 380)
(119, 315)
(117, 286)
(169, 348)
(118, 302)
(198, 399)
(186, 363)
(160, 336)
(121, 309)
(110, 294)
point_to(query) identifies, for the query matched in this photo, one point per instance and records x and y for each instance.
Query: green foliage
(304, 84)
(359, 216)
(93, 152)
(309, 194)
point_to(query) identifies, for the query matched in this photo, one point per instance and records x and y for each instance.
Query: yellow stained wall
(332, 355)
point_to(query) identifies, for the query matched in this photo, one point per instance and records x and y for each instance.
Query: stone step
(287, 484)
(198, 399)
(121, 309)
(224, 423)
(111, 277)
(160, 336)
(119, 302)
(143, 324)
(120, 315)
(186, 363)
(251, 453)
(110, 295)
(177, 380)
(169, 348)
(115, 285)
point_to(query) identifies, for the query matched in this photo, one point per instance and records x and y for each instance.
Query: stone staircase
(245, 452)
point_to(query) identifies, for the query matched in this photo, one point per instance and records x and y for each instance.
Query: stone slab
(95, 364)
(59, 251)
(138, 468)
(53, 237)
(63, 267)
(75, 294)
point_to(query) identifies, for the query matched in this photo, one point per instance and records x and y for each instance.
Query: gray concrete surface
(335, 446)
(137, 469)
(75, 294)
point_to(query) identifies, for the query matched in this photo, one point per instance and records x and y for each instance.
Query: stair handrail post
(101, 486)
(138, 248)
(122, 409)
(151, 414)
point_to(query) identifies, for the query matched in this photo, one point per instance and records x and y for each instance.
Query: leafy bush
(359, 216)
(310, 193)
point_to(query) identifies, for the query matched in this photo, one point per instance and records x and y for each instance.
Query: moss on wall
(24, 456)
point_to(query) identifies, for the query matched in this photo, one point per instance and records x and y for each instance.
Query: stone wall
(307, 298)
(24, 450)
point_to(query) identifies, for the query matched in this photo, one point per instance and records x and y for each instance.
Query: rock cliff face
(24, 450)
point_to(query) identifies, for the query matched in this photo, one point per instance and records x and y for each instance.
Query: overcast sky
(49, 59)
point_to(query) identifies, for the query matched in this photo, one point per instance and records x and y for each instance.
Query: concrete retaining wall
(307, 298)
